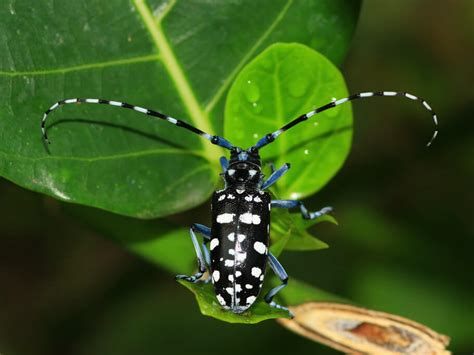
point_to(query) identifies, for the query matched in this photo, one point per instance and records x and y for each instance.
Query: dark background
(404, 244)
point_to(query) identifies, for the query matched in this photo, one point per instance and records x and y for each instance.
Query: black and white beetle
(239, 236)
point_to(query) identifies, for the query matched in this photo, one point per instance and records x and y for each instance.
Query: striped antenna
(272, 136)
(213, 139)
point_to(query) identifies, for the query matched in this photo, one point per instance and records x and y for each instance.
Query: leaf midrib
(170, 62)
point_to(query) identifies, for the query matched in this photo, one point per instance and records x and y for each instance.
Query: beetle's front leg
(304, 212)
(206, 232)
(224, 164)
(276, 174)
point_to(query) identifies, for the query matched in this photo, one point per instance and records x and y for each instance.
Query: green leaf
(176, 56)
(209, 306)
(282, 83)
(289, 231)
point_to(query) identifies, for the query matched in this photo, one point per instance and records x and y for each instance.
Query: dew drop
(256, 107)
(298, 86)
(252, 92)
(295, 195)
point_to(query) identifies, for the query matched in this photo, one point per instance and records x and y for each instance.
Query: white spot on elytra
(248, 286)
(261, 277)
(216, 275)
(231, 237)
(252, 172)
(214, 243)
(250, 299)
(231, 171)
(225, 218)
(239, 191)
(240, 257)
(249, 218)
(238, 288)
(231, 278)
(257, 199)
(238, 273)
(221, 300)
(240, 237)
(256, 271)
(260, 247)
(230, 263)
(230, 291)
(248, 198)
(231, 251)
(221, 197)
(231, 197)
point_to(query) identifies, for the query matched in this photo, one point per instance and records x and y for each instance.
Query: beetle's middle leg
(201, 259)
(304, 212)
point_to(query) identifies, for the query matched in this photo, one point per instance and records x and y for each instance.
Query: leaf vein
(117, 62)
(227, 81)
(108, 157)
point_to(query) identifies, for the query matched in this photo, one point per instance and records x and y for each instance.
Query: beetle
(239, 237)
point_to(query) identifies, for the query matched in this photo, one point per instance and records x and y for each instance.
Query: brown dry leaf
(356, 330)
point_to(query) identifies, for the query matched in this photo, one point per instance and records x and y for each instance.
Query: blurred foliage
(403, 245)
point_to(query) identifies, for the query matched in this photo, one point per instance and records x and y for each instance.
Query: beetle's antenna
(213, 139)
(272, 136)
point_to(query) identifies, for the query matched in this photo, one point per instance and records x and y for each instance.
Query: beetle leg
(275, 176)
(271, 165)
(206, 232)
(224, 164)
(207, 256)
(304, 212)
(283, 276)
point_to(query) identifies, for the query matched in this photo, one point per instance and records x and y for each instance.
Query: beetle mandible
(239, 237)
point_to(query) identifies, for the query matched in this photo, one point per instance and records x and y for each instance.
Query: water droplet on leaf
(252, 92)
(298, 86)
(256, 108)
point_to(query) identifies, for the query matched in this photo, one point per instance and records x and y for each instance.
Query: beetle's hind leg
(283, 276)
(304, 212)
(202, 260)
